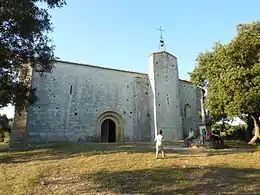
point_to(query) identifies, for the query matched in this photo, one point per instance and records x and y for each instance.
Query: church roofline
(114, 69)
(102, 67)
(162, 52)
(185, 81)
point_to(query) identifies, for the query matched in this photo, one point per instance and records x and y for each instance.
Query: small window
(187, 111)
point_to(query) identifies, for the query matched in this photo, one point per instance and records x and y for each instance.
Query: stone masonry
(76, 99)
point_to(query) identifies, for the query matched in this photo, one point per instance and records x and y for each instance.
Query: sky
(121, 34)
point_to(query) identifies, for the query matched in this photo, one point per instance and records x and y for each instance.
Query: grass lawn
(128, 169)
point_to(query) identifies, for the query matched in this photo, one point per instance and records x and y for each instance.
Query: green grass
(128, 169)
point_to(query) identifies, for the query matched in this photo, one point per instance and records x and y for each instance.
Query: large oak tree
(24, 25)
(233, 73)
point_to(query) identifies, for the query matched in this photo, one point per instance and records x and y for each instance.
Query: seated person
(216, 137)
(189, 138)
(208, 135)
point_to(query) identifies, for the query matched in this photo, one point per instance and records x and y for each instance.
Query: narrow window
(187, 111)
(70, 89)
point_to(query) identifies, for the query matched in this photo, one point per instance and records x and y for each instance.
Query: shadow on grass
(56, 151)
(207, 180)
(66, 150)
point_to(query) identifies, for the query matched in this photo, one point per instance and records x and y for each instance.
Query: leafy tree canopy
(24, 26)
(233, 73)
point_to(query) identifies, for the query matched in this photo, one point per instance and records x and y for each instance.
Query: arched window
(187, 111)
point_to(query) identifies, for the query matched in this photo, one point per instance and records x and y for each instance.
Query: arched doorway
(110, 123)
(108, 131)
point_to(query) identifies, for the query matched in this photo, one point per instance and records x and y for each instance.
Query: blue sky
(121, 33)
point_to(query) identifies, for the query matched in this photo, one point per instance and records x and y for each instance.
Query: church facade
(88, 103)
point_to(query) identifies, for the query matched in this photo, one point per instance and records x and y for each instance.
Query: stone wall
(75, 99)
(190, 106)
(74, 96)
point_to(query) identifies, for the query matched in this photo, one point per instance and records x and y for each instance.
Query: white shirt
(159, 140)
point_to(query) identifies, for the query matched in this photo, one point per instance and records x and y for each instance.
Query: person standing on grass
(203, 136)
(159, 144)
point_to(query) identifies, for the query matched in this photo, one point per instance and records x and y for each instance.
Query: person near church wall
(159, 139)
(188, 139)
(203, 136)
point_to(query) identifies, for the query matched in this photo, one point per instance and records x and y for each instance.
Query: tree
(24, 26)
(233, 73)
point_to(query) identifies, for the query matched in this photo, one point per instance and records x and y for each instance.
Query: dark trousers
(187, 141)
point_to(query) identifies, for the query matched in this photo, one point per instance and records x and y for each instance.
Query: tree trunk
(250, 128)
(257, 130)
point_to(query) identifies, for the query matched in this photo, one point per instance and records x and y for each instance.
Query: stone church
(80, 102)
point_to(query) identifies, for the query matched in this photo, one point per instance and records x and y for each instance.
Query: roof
(162, 52)
(101, 67)
(114, 69)
(185, 81)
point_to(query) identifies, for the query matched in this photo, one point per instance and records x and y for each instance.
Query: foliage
(24, 41)
(233, 73)
(6, 137)
(4, 124)
(231, 132)
(5, 127)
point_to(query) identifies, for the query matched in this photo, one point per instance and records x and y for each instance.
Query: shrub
(231, 132)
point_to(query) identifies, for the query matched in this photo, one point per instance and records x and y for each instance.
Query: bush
(232, 132)
(5, 128)
(7, 137)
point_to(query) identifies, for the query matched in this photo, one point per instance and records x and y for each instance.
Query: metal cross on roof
(161, 46)
(161, 30)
